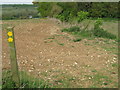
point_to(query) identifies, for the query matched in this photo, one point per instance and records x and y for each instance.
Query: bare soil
(45, 52)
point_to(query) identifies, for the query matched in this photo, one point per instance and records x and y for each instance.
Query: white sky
(16, 1)
(30, 1)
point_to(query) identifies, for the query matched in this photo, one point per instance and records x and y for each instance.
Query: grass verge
(27, 81)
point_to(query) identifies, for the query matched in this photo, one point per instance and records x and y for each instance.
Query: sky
(16, 1)
(30, 1)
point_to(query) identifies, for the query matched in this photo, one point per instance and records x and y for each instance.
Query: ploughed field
(45, 52)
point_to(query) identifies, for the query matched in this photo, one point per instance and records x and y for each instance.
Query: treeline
(18, 12)
(69, 10)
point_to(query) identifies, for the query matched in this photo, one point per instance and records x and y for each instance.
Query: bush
(98, 23)
(82, 15)
(98, 32)
(62, 18)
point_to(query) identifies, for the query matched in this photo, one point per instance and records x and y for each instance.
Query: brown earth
(46, 52)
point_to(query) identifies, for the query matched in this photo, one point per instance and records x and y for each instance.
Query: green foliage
(25, 81)
(62, 18)
(7, 81)
(67, 11)
(72, 29)
(78, 33)
(99, 32)
(82, 15)
(50, 9)
(18, 12)
(77, 40)
(44, 9)
(98, 23)
(96, 32)
(106, 9)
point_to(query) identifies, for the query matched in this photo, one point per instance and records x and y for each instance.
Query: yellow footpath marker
(14, 64)
(10, 34)
(10, 39)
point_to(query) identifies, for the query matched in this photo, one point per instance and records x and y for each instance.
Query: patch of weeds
(94, 70)
(62, 44)
(100, 79)
(71, 29)
(51, 38)
(83, 34)
(98, 32)
(7, 81)
(76, 31)
(48, 41)
(114, 65)
(77, 39)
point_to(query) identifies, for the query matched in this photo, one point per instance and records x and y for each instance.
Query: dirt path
(45, 52)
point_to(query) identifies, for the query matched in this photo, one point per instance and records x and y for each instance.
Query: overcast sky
(16, 1)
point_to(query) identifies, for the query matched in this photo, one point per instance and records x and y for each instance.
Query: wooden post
(14, 65)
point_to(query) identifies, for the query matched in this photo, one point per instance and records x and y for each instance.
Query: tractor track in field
(44, 51)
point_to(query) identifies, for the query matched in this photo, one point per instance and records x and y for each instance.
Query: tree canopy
(67, 10)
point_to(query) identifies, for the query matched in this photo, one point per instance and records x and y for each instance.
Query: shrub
(82, 15)
(61, 17)
(99, 32)
(98, 23)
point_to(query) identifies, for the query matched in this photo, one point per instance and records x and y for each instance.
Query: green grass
(71, 29)
(59, 80)
(99, 32)
(114, 65)
(96, 32)
(27, 81)
(100, 79)
(94, 70)
(51, 38)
